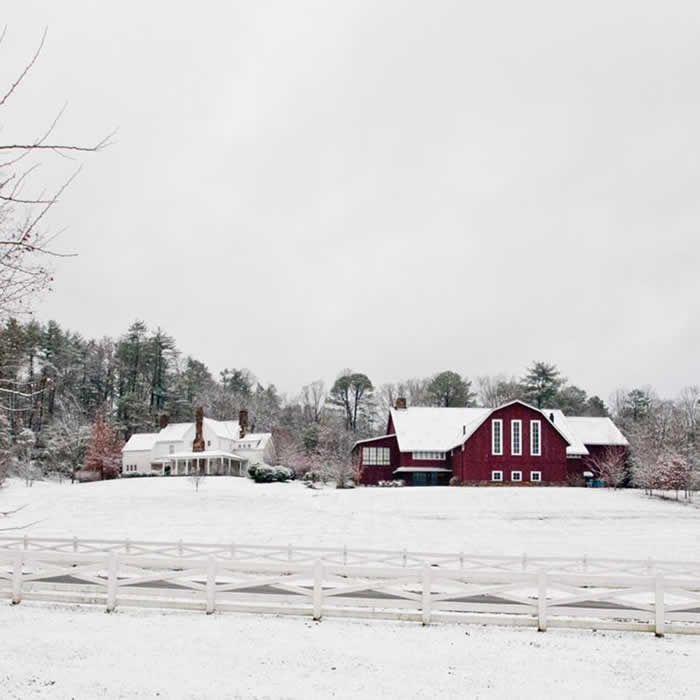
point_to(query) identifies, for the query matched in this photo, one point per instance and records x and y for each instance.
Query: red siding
(475, 462)
(371, 474)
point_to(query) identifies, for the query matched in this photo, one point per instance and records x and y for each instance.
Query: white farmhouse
(206, 446)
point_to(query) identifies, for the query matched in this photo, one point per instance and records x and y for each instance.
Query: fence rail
(428, 593)
(463, 561)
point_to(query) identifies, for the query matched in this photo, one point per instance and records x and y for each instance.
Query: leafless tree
(196, 477)
(25, 243)
(610, 465)
(313, 399)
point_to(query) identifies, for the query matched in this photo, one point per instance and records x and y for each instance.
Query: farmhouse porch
(209, 463)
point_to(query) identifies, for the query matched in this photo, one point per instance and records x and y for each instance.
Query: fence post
(542, 601)
(112, 581)
(426, 599)
(17, 578)
(318, 590)
(659, 605)
(211, 585)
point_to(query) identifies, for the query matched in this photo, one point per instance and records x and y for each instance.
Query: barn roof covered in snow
(422, 428)
(596, 431)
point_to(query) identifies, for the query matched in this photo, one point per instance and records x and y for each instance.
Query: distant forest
(55, 383)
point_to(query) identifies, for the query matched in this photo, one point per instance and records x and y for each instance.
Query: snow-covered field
(82, 653)
(69, 652)
(542, 521)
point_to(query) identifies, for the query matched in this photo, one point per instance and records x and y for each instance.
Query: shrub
(313, 476)
(85, 475)
(394, 483)
(264, 474)
(454, 481)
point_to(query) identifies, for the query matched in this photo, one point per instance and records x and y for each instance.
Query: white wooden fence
(428, 593)
(464, 561)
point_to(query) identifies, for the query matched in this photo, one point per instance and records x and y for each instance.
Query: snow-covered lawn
(54, 652)
(542, 521)
(70, 652)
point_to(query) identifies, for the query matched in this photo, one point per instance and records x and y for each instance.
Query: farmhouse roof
(140, 442)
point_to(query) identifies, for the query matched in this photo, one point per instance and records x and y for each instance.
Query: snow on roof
(596, 431)
(422, 428)
(224, 428)
(174, 432)
(576, 445)
(259, 441)
(140, 442)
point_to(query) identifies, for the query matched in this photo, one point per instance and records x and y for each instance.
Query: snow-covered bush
(265, 474)
(455, 481)
(313, 476)
(87, 475)
(393, 483)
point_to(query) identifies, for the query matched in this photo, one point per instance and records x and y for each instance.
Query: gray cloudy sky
(400, 187)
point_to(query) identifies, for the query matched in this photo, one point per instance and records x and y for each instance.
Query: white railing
(426, 594)
(463, 561)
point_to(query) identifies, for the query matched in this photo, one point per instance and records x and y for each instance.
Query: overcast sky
(398, 187)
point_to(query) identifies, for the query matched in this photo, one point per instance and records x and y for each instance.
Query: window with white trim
(535, 438)
(428, 455)
(516, 437)
(496, 436)
(535, 476)
(516, 476)
(376, 456)
(497, 476)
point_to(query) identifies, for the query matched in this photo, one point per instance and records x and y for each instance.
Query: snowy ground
(84, 653)
(67, 652)
(542, 521)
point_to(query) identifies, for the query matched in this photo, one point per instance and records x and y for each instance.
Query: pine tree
(450, 389)
(541, 383)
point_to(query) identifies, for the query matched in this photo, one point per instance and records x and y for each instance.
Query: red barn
(513, 444)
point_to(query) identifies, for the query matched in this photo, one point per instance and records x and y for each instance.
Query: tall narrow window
(535, 438)
(516, 437)
(497, 436)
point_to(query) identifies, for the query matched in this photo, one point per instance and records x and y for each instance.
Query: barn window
(497, 436)
(516, 476)
(535, 438)
(516, 437)
(535, 476)
(497, 476)
(378, 456)
(428, 455)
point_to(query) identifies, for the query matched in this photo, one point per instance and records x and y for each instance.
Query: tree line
(61, 394)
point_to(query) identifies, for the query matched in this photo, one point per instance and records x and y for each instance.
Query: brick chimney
(243, 422)
(198, 443)
(164, 420)
(400, 404)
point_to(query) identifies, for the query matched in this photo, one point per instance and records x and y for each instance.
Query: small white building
(206, 446)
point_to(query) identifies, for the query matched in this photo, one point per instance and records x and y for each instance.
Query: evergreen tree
(541, 384)
(450, 389)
